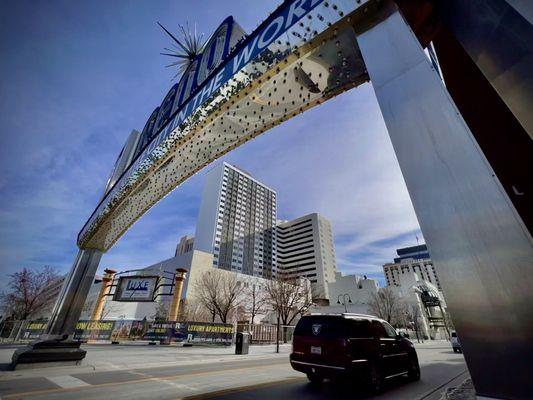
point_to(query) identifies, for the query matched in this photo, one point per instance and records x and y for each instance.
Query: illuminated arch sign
(302, 55)
(215, 51)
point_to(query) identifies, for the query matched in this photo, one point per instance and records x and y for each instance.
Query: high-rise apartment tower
(237, 221)
(305, 249)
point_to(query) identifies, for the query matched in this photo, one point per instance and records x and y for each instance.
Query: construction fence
(151, 331)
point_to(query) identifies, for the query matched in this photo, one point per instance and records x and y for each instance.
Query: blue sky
(78, 76)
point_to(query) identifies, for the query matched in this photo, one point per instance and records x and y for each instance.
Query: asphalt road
(265, 376)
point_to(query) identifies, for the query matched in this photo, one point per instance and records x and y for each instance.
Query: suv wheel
(375, 379)
(414, 369)
(314, 378)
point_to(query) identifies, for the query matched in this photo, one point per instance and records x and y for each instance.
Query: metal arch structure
(273, 77)
(308, 51)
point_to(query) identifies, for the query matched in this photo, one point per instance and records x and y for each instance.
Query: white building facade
(414, 259)
(411, 289)
(355, 290)
(306, 250)
(197, 263)
(354, 294)
(185, 245)
(237, 222)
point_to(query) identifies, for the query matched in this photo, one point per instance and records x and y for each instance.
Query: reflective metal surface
(482, 251)
(477, 241)
(73, 294)
(312, 61)
(498, 36)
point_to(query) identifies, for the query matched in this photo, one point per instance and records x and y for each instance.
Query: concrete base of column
(48, 353)
(55, 346)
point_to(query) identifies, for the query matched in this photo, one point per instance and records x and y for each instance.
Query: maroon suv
(351, 346)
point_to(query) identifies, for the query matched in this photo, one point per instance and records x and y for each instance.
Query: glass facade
(245, 237)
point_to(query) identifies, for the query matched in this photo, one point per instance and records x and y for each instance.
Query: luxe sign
(205, 76)
(136, 288)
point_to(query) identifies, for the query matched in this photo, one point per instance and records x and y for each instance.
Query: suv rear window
(333, 327)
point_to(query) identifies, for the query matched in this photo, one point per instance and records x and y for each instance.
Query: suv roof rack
(352, 315)
(360, 315)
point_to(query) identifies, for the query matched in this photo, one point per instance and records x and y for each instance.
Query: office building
(185, 245)
(124, 159)
(237, 221)
(414, 259)
(419, 252)
(305, 249)
(51, 293)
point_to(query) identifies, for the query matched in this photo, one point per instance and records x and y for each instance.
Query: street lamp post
(344, 296)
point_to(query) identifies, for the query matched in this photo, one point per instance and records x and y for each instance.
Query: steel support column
(479, 244)
(70, 303)
(55, 346)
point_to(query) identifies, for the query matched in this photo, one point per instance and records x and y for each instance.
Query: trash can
(242, 342)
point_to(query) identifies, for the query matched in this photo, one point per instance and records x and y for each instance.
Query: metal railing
(267, 333)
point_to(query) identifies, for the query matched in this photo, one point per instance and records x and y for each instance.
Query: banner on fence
(138, 329)
(207, 332)
(121, 330)
(192, 332)
(164, 331)
(34, 329)
(94, 330)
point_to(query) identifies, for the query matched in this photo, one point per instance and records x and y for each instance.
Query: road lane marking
(67, 381)
(241, 389)
(134, 381)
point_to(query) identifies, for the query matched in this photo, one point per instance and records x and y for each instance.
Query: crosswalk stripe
(67, 381)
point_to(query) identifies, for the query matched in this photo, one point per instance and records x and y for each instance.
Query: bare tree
(194, 311)
(256, 299)
(386, 305)
(161, 312)
(27, 294)
(413, 314)
(87, 307)
(206, 290)
(289, 298)
(230, 296)
(219, 292)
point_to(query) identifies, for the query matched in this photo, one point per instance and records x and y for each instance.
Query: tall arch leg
(478, 242)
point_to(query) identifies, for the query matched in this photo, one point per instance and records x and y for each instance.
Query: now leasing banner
(168, 331)
(94, 330)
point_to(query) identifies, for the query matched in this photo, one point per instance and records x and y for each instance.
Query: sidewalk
(170, 372)
(128, 356)
(107, 357)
